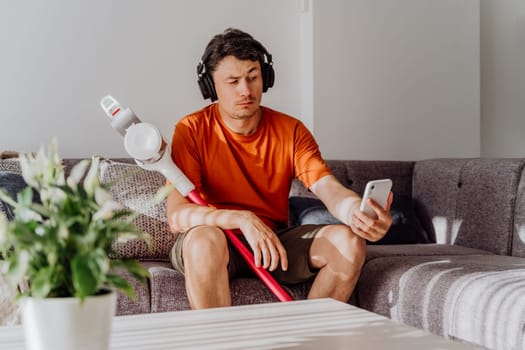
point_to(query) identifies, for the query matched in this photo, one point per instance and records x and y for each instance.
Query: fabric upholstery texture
(167, 283)
(359, 172)
(436, 185)
(466, 197)
(484, 183)
(127, 306)
(135, 188)
(391, 250)
(478, 298)
(10, 165)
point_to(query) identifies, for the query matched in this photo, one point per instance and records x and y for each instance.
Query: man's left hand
(368, 227)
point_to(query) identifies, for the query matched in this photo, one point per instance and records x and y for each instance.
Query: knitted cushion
(11, 165)
(135, 188)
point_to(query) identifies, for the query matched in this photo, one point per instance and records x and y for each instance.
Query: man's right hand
(266, 246)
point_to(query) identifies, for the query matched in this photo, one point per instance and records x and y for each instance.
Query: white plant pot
(65, 324)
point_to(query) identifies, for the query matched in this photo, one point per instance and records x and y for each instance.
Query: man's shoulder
(199, 116)
(280, 116)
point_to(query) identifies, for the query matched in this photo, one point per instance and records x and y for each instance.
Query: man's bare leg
(205, 254)
(340, 255)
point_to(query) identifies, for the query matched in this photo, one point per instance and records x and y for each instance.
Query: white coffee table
(307, 324)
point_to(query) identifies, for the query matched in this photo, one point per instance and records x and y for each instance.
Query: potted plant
(60, 247)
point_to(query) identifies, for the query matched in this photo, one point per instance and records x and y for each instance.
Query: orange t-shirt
(255, 172)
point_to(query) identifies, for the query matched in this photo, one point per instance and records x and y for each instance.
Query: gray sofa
(452, 264)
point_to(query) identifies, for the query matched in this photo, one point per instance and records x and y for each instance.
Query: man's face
(238, 84)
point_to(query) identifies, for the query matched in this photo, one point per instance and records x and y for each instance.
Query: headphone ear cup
(210, 86)
(206, 86)
(202, 86)
(268, 76)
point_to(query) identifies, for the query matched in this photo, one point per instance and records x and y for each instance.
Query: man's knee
(205, 245)
(348, 245)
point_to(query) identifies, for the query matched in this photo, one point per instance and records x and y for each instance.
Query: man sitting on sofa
(242, 158)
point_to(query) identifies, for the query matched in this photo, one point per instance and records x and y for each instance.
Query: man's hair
(232, 42)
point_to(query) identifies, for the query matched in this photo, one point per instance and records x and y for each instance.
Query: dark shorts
(296, 240)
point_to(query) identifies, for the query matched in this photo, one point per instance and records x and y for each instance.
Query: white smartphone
(378, 190)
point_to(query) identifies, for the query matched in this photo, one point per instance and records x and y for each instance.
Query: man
(242, 158)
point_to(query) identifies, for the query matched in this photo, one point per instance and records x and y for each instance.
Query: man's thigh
(296, 240)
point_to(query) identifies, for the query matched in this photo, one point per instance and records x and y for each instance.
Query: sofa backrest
(469, 202)
(475, 202)
(355, 174)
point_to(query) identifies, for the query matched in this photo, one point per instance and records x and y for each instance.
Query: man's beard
(245, 114)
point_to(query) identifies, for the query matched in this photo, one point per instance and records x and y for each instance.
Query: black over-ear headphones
(207, 86)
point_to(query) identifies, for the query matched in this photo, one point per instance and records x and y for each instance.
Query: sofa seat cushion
(168, 290)
(382, 251)
(127, 306)
(476, 298)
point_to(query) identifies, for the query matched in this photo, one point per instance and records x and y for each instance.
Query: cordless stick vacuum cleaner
(145, 144)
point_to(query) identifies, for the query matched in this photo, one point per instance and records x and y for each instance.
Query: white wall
(400, 76)
(502, 78)
(396, 79)
(59, 57)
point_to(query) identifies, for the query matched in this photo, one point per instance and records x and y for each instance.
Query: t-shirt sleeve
(309, 165)
(184, 152)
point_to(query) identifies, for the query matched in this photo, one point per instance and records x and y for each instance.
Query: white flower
(43, 169)
(40, 230)
(29, 173)
(91, 182)
(102, 196)
(107, 210)
(77, 173)
(63, 232)
(26, 215)
(52, 195)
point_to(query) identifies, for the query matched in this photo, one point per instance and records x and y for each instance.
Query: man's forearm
(343, 206)
(339, 200)
(188, 215)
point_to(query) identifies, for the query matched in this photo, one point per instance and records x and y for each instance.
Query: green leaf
(41, 284)
(84, 282)
(88, 272)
